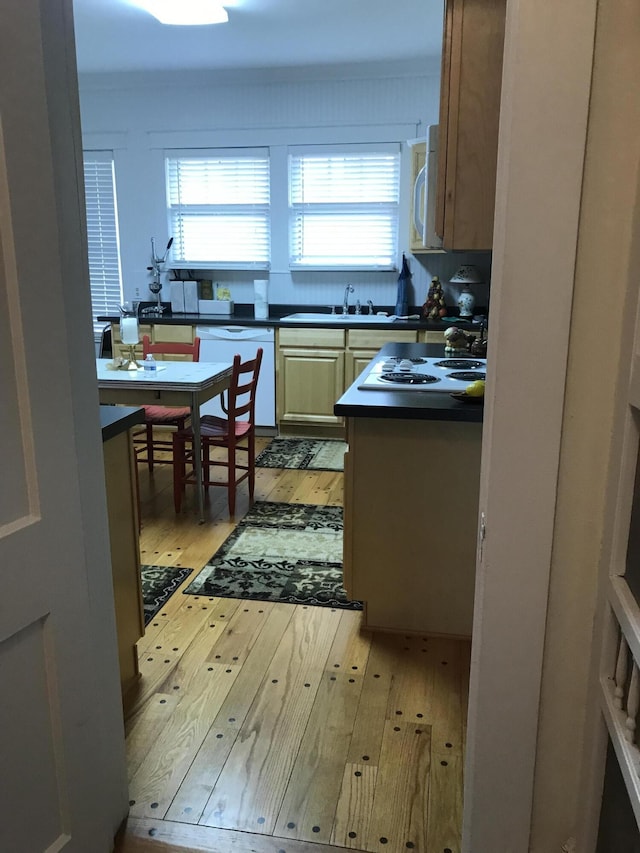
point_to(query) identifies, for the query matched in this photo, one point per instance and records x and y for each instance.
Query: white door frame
(543, 128)
(62, 733)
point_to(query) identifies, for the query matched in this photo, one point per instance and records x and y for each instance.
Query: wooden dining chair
(238, 426)
(144, 442)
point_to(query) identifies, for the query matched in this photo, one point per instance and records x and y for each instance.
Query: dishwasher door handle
(234, 333)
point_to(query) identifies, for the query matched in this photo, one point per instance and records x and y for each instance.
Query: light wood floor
(276, 728)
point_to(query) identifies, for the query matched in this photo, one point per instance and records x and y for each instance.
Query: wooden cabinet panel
(122, 507)
(173, 334)
(422, 477)
(311, 338)
(469, 115)
(309, 383)
(377, 338)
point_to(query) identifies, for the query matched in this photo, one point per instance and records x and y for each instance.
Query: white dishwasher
(222, 343)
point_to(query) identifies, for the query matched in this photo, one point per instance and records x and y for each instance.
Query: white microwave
(423, 211)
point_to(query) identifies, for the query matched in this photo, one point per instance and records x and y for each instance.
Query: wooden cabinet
(158, 333)
(315, 366)
(411, 493)
(122, 507)
(309, 380)
(468, 130)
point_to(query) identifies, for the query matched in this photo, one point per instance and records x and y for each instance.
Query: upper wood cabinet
(469, 114)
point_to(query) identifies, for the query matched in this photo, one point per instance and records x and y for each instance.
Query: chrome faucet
(345, 306)
(370, 304)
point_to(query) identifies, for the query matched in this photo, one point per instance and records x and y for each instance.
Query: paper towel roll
(261, 299)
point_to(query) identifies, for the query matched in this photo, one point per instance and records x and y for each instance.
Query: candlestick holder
(130, 336)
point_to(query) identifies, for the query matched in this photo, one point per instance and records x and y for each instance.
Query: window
(343, 207)
(102, 235)
(218, 205)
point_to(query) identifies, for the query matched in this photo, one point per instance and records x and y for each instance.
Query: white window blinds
(218, 206)
(343, 208)
(102, 236)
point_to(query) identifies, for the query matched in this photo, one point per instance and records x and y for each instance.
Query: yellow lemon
(475, 389)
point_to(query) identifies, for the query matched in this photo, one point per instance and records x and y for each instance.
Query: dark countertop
(243, 316)
(412, 405)
(117, 419)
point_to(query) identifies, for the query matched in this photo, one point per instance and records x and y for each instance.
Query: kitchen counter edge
(245, 318)
(117, 419)
(410, 405)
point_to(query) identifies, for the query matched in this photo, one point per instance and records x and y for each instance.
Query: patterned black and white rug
(307, 453)
(280, 552)
(158, 585)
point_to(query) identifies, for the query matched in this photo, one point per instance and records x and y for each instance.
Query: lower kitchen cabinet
(122, 508)
(158, 333)
(411, 495)
(309, 380)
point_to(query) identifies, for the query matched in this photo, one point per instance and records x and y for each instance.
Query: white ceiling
(113, 35)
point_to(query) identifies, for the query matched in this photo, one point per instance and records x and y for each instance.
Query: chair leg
(179, 467)
(251, 462)
(150, 446)
(231, 478)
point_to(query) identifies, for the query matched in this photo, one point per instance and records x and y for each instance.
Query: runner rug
(158, 585)
(307, 453)
(280, 552)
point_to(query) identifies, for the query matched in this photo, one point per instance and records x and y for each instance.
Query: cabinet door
(418, 190)
(469, 115)
(355, 363)
(310, 382)
(172, 334)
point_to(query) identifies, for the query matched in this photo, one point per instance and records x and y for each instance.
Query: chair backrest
(166, 348)
(242, 390)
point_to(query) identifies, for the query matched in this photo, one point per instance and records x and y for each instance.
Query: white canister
(261, 299)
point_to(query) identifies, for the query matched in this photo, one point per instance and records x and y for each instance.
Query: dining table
(173, 383)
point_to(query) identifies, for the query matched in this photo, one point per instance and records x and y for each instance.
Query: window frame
(103, 236)
(250, 209)
(344, 208)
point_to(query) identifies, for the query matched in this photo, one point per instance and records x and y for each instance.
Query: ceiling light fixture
(185, 13)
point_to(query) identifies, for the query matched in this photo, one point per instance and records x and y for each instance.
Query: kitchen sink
(335, 318)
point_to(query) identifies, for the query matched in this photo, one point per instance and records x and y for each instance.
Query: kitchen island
(122, 508)
(412, 478)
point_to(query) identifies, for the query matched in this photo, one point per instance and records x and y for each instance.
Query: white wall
(138, 116)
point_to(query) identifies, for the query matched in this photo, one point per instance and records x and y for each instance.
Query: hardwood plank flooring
(277, 728)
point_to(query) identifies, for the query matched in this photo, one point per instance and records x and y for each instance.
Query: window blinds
(219, 209)
(343, 209)
(102, 236)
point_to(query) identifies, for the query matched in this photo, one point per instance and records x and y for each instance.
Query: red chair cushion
(165, 414)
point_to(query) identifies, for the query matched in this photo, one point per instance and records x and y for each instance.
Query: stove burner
(409, 378)
(398, 358)
(468, 375)
(459, 363)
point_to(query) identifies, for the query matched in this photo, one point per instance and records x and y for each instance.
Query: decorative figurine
(456, 341)
(434, 307)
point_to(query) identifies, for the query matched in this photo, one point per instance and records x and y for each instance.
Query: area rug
(307, 453)
(280, 552)
(158, 585)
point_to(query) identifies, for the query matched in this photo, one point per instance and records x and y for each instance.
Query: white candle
(129, 330)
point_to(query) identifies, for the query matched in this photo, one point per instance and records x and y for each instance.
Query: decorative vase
(466, 302)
